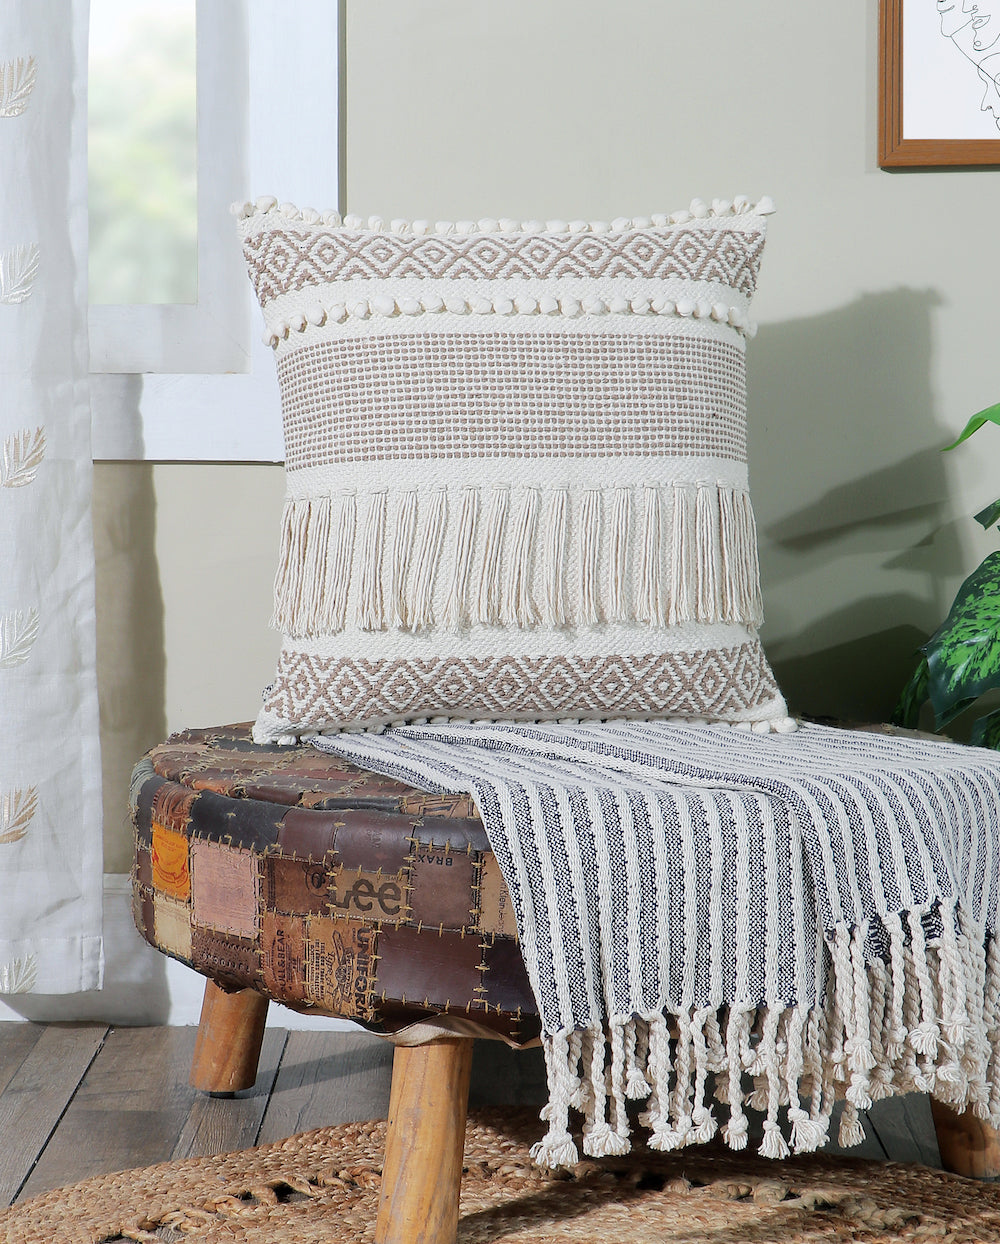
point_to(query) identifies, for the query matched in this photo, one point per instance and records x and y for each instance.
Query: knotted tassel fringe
(427, 559)
(918, 1015)
(523, 556)
(406, 522)
(489, 603)
(371, 602)
(652, 596)
(522, 610)
(456, 612)
(589, 535)
(555, 557)
(621, 521)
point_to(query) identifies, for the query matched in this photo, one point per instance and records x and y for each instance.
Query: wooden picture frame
(895, 150)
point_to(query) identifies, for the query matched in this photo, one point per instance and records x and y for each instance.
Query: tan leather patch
(282, 944)
(441, 893)
(224, 884)
(496, 911)
(170, 862)
(172, 926)
(339, 965)
(295, 886)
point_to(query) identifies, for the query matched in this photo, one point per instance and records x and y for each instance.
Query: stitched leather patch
(296, 886)
(170, 862)
(371, 897)
(496, 911)
(224, 884)
(430, 971)
(282, 944)
(340, 958)
(232, 961)
(442, 893)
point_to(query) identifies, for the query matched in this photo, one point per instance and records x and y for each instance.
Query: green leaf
(913, 695)
(990, 415)
(986, 731)
(990, 515)
(963, 654)
(950, 714)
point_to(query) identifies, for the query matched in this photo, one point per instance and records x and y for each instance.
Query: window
(191, 380)
(143, 152)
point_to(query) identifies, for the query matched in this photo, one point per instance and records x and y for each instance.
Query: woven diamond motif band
(511, 443)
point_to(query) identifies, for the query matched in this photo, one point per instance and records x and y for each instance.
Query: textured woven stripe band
(514, 395)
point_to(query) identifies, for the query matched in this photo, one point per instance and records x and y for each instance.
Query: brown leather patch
(308, 834)
(282, 945)
(224, 888)
(297, 886)
(441, 887)
(439, 805)
(220, 781)
(142, 913)
(143, 866)
(232, 961)
(170, 862)
(340, 957)
(368, 896)
(496, 911)
(374, 840)
(427, 968)
(505, 980)
(172, 807)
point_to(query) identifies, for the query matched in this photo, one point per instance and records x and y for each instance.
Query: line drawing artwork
(973, 27)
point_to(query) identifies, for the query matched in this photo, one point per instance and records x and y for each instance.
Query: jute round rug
(322, 1188)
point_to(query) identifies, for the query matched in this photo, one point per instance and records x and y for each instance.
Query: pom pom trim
(386, 307)
(268, 205)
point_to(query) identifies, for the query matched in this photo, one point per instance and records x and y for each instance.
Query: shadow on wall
(852, 522)
(131, 661)
(131, 665)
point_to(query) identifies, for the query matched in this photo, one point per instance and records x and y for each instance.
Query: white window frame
(195, 382)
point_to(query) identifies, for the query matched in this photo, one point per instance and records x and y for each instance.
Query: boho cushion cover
(516, 468)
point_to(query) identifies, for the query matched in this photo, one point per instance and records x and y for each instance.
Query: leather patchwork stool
(278, 872)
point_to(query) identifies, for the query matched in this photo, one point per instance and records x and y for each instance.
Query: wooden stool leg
(230, 1033)
(422, 1173)
(968, 1145)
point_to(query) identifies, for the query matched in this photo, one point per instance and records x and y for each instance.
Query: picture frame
(939, 83)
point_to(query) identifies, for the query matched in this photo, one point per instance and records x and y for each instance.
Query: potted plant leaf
(961, 660)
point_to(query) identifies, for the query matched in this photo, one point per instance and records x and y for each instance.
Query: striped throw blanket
(783, 920)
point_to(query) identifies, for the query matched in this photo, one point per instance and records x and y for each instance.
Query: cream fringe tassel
(927, 1020)
(657, 555)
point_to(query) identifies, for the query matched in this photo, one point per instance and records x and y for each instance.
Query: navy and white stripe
(676, 869)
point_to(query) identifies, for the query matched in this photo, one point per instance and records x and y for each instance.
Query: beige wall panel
(185, 559)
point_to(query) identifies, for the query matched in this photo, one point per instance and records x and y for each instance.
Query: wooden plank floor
(86, 1099)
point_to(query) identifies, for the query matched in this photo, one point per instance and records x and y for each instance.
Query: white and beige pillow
(516, 468)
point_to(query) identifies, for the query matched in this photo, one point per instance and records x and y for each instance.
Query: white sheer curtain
(50, 822)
